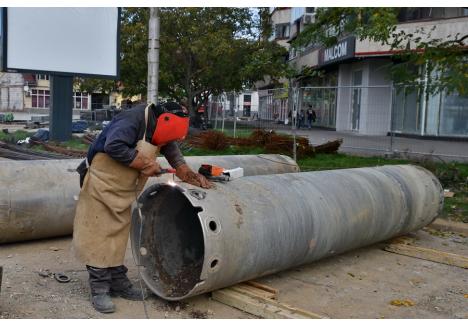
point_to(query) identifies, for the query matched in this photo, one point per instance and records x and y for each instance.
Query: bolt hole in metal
(214, 263)
(213, 226)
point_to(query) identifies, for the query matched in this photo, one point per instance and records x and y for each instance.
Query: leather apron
(103, 214)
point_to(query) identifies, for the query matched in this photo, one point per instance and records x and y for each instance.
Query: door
(356, 95)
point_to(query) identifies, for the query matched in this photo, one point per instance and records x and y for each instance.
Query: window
(310, 10)
(247, 105)
(80, 101)
(281, 31)
(40, 98)
(42, 77)
(410, 14)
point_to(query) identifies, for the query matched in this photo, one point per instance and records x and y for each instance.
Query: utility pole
(153, 56)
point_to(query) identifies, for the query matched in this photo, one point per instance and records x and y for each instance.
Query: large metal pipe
(195, 241)
(38, 198)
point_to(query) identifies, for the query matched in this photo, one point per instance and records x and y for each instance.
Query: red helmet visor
(170, 127)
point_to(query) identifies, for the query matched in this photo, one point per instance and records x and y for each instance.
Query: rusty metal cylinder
(190, 241)
(38, 198)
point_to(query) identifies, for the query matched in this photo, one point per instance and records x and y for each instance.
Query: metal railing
(401, 120)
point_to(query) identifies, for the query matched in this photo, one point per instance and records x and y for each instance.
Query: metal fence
(403, 120)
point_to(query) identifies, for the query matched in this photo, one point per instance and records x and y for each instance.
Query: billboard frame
(4, 53)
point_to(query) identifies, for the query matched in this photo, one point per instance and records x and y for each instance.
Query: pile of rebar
(15, 152)
(71, 153)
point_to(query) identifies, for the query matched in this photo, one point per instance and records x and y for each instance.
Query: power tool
(216, 173)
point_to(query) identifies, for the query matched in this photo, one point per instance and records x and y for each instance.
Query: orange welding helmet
(167, 122)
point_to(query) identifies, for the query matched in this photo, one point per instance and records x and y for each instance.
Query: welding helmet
(167, 122)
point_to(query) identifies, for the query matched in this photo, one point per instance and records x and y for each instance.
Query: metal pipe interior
(194, 241)
(38, 198)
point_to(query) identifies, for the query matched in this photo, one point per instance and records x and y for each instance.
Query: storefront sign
(343, 50)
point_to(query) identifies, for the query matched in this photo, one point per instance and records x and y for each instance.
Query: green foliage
(134, 48)
(375, 24)
(231, 150)
(13, 137)
(441, 62)
(92, 85)
(8, 117)
(203, 51)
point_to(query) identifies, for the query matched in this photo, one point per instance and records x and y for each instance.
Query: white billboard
(76, 41)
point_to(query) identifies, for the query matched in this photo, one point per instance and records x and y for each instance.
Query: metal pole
(196, 241)
(392, 116)
(153, 56)
(216, 113)
(224, 110)
(292, 97)
(236, 107)
(61, 107)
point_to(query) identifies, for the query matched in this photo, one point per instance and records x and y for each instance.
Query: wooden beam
(260, 306)
(253, 291)
(445, 225)
(263, 287)
(428, 254)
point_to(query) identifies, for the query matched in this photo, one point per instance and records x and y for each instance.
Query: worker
(115, 171)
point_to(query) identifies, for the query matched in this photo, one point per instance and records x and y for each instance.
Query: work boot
(122, 287)
(100, 282)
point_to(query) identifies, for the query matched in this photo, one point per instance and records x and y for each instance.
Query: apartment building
(356, 93)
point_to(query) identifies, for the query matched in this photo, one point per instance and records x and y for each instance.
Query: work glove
(184, 173)
(147, 166)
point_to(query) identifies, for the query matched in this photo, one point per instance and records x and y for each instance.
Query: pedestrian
(309, 118)
(118, 165)
(301, 119)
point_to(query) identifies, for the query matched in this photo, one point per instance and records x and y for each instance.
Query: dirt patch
(325, 287)
(197, 314)
(26, 294)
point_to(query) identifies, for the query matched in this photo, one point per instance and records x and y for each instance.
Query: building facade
(25, 94)
(356, 92)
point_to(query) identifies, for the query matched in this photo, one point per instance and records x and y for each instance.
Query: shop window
(454, 115)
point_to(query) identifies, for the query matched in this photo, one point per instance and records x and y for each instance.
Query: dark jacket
(119, 139)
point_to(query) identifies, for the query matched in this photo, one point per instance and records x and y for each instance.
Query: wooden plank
(429, 254)
(250, 290)
(402, 239)
(445, 225)
(261, 307)
(263, 287)
(448, 194)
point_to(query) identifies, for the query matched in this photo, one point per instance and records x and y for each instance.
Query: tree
(204, 51)
(207, 51)
(443, 60)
